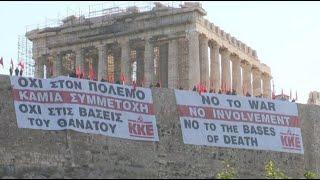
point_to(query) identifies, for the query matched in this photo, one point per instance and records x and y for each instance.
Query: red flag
(273, 95)
(201, 89)
(198, 88)
(123, 79)
(204, 88)
(110, 79)
(91, 72)
(78, 71)
(134, 85)
(21, 64)
(1, 61)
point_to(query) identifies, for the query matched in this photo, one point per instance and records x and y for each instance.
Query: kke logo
(290, 140)
(140, 128)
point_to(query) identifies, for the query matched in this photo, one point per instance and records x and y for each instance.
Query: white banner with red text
(239, 122)
(86, 106)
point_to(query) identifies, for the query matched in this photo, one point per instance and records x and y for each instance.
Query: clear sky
(286, 35)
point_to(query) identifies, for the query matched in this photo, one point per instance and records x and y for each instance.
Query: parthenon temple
(175, 46)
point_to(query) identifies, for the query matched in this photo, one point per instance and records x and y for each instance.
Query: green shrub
(272, 172)
(310, 175)
(227, 172)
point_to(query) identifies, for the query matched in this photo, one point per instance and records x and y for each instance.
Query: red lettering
(132, 128)
(290, 141)
(141, 129)
(297, 142)
(149, 130)
(284, 140)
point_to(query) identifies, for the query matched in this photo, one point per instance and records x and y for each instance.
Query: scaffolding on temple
(25, 55)
(106, 9)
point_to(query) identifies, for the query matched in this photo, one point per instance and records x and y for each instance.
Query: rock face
(27, 153)
(314, 98)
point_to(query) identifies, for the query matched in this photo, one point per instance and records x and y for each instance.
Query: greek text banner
(85, 106)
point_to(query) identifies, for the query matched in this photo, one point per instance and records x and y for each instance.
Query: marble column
(57, 67)
(204, 63)
(41, 64)
(193, 59)
(236, 74)
(80, 58)
(116, 53)
(140, 64)
(49, 66)
(125, 60)
(256, 81)
(102, 63)
(183, 63)
(36, 67)
(226, 71)
(163, 65)
(39, 73)
(149, 75)
(246, 74)
(173, 77)
(215, 77)
(266, 78)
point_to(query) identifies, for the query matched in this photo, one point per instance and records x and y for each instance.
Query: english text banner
(239, 122)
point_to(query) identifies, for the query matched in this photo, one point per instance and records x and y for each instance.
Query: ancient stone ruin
(163, 45)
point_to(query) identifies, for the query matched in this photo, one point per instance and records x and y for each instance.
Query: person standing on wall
(21, 72)
(11, 71)
(16, 71)
(11, 68)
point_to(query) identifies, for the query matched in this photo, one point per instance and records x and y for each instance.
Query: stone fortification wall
(28, 153)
